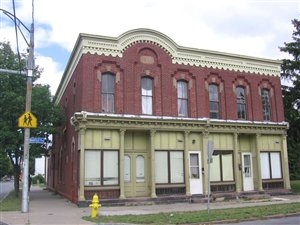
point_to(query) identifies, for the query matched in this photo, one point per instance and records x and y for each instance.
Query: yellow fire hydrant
(95, 206)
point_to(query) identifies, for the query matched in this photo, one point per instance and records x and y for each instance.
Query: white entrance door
(247, 172)
(195, 173)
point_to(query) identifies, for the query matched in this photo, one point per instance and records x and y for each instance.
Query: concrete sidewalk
(47, 208)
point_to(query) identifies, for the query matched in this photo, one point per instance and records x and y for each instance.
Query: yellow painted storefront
(238, 148)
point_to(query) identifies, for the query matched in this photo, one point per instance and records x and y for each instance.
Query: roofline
(115, 46)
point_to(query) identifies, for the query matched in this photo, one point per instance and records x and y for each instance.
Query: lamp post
(30, 67)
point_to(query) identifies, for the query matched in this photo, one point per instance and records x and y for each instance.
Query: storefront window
(101, 168)
(169, 167)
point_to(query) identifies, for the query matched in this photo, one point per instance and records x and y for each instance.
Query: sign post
(27, 120)
(30, 68)
(210, 151)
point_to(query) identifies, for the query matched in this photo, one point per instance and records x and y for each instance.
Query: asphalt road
(5, 188)
(289, 220)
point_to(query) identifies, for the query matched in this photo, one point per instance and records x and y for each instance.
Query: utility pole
(210, 151)
(30, 67)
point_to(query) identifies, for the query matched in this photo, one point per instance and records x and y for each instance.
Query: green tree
(12, 106)
(5, 165)
(291, 97)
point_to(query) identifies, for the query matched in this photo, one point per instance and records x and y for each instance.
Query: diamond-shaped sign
(27, 120)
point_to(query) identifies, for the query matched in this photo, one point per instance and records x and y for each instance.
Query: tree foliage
(12, 106)
(5, 165)
(291, 97)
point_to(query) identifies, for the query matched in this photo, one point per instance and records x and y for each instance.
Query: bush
(38, 179)
(295, 185)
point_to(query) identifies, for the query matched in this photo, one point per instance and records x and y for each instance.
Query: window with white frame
(241, 103)
(169, 167)
(214, 101)
(147, 95)
(222, 166)
(247, 165)
(194, 166)
(108, 92)
(101, 168)
(270, 163)
(182, 96)
(265, 99)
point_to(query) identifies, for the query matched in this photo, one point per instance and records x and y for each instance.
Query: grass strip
(11, 202)
(235, 214)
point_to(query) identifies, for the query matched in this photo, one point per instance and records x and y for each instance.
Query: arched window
(182, 96)
(241, 103)
(147, 95)
(214, 101)
(127, 169)
(140, 169)
(108, 92)
(266, 106)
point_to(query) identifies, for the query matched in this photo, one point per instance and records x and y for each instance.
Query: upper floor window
(214, 101)
(241, 103)
(108, 92)
(265, 98)
(147, 95)
(182, 96)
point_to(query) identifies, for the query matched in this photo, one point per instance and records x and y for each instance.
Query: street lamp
(30, 67)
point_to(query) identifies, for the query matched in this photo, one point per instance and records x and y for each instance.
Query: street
(5, 188)
(290, 220)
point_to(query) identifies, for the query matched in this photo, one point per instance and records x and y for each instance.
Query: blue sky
(247, 27)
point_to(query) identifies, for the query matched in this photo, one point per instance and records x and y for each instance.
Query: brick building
(140, 111)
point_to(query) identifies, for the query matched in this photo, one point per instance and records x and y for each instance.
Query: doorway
(247, 171)
(135, 175)
(196, 185)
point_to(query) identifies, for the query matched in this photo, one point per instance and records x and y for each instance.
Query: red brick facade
(85, 87)
(80, 90)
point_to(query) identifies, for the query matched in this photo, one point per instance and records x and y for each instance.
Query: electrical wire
(16, 31)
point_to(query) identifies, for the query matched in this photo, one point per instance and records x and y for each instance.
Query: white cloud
(248, 27)
(51, 74)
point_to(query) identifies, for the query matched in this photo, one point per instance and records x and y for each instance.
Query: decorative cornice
(115, 46)
(109, 46)
(132, 122)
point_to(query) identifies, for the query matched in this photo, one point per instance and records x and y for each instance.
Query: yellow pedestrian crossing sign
(27, 120)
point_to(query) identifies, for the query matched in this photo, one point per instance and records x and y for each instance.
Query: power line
(16, 31)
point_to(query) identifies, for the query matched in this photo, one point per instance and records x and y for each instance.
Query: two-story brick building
(141, 110)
